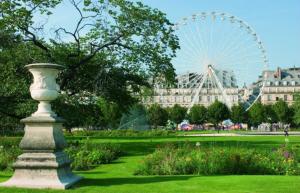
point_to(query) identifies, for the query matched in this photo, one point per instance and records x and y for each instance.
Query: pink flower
(286, 154)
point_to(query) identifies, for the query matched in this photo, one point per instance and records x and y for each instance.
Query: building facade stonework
(281, 84)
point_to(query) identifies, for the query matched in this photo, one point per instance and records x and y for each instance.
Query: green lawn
(118, 177)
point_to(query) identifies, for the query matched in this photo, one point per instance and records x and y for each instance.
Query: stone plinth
(43, 163)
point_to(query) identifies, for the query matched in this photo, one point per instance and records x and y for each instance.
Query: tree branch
(36, 41)
(72, 69)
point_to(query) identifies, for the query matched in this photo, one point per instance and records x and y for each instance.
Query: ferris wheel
(220, 58)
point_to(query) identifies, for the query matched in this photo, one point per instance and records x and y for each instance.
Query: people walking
(286, 130)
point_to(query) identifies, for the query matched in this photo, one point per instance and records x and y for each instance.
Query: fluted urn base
(43, 163)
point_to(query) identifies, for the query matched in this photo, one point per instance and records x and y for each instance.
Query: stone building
(281, 84)
(185, 90)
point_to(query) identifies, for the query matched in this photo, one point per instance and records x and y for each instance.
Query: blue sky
(276, 21)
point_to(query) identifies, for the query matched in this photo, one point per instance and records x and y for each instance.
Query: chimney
(278, 73)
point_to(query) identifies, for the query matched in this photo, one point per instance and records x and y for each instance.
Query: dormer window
(284, 83)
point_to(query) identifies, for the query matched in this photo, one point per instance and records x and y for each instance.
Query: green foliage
(270, 114)
(111, 113)
(256, 114)
(157, 115)
(15, 100)
(238, 114)
(78, 114)
(123, 133)
(217, 112)
(296, 110)
(9, 151)
(193, 159)
(8, 156)
(198, 114)
(177, 113)
(282, 111)
(115, 48)
(89, 155)
(84, 155)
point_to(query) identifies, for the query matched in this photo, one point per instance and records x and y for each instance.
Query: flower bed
(193, 159)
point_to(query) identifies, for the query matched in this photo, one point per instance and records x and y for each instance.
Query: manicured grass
(118, 177)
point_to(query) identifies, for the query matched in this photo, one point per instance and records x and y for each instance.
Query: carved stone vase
(43, 163)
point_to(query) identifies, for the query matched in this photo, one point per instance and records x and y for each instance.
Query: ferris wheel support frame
(217, 82)
(228, 103)
(197, 92)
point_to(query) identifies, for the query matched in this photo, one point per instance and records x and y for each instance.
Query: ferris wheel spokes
(221, 52)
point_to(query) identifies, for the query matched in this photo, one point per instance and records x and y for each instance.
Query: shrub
(88, 155)
(84, 155)
(123, 133)
(188, 159)
(9, 151)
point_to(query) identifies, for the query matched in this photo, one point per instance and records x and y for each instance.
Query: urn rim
(45, 65)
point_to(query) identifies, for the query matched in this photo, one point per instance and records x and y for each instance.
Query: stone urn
(43, 163)
(44, 88)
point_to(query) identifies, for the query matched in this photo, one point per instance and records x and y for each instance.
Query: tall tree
(270, 114)
(198, 114)
(256, 114)
(296, 110)
(113, 49)
(177, 113)
(282, 111)
(157, 115)
(111, 113)
(217, 112)
(238, 114)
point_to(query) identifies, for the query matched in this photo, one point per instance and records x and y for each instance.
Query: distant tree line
(104, 114)
(217, 112)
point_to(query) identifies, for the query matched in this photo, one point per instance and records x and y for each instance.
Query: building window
(285, 97)
(277, 98)
(200, 98)
(208, 98)
(269, 98)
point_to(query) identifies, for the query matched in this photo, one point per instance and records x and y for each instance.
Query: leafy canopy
(177, 113)
(238, 114)
(217, 112)
(198, 114)
(157, 115)
(112, 51)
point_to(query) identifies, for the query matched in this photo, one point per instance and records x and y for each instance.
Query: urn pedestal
(43, 163)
